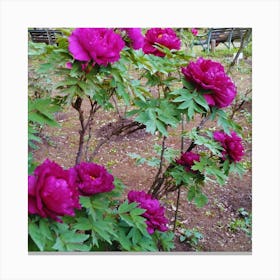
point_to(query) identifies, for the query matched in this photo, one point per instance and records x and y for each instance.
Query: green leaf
(150, 126)
(123, 93)
(100, 228)
(183, 98)
(123, 239)
(188, 84)
(185, 104)
(44, 229)
(59, 245)
(37, 117)
(161, 128)
(45, 68)
(85, 201)
(167, 240)
(72, 247)
(143, 117)
(36, 235)
(200, 200)
(137, 211)
(191, 109)
(135, 235)
(73, 237)
(237, 167)
(126, 207)
(191, 193)
(199, 99)
(182, 238)
(82, 224)
(127, 218)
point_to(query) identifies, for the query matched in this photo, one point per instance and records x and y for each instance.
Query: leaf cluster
(103, 224)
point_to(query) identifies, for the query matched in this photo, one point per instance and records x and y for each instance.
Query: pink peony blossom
(187, 159)
(154, 214)
(69, 65)
(93, 178)
(102, 45)
(194, 31)
(135, 36)
(163, 36)
(52, 191)
(211, 75)
(232, 145)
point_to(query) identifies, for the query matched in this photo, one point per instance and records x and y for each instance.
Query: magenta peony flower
(154, 214)
(69, 65)
(194, 31)
(232, 145)
(102, 45)
(163, 36)
(135, 36)
(93, 178)
(187, 159)
(52, 191)
(211, 75)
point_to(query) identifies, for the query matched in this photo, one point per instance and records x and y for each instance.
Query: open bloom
(232, 145)
(163, 36)
(93, 178)
(208, 74)
(187, 159)
(154, 214)
(194, 31)
(102, 45)
(52, 191)
(135, 36)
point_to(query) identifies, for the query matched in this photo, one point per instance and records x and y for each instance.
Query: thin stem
(242, 45)
(198, 128)
(177, 208)
(117, 108)
(154, 188)
(182, 136)
(90, 120)
(77, 105)
(123, 129)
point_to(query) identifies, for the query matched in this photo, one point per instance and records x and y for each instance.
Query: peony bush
(84, 208)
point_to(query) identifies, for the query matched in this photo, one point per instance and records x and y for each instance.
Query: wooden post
(213, 45)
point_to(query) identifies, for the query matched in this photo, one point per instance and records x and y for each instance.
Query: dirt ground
(213, 220)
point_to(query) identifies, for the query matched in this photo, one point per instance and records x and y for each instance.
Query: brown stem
(90, 121)
(177, 208)
(160, 185)
(77, 105)
(123, 129)
(155, 185)
(237, 108)
(182, 137)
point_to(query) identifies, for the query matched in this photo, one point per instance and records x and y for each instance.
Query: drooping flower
(135, 36)
(154, 213)
(208, 74)
(187, 160)
(163, 36)
(102, 45)
(194, 31)
(232, 144)
(93, 178)
(52, 191)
